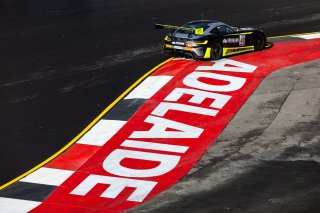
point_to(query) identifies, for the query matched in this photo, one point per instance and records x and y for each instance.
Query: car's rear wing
(197, 31)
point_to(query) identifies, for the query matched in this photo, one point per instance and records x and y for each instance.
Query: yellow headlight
(201, 42)
(192, 43)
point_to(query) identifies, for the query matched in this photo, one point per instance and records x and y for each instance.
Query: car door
(230, 37)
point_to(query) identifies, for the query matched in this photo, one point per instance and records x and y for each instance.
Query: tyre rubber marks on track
(46, 179)
(154, 136)
(172, 128)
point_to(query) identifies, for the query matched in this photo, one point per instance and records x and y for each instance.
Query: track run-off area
(153, 134)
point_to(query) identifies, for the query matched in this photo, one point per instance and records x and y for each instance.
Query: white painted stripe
(155, 146)
(48, 176)
(102, 132)
(309, 36)
(149, 87)
(10, 205)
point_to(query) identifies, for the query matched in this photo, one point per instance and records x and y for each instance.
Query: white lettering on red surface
(160, 126)
(164, 107)
(193, 80)
(233, 66)
(199, 96)
(112, 163)
(154, 146)
(200, 90)
(116, 185)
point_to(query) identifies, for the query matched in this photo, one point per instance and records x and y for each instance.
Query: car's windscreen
(192, 25)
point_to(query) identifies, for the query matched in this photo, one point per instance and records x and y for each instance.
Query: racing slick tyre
(168, 54)
(259, 41)
(216, 51)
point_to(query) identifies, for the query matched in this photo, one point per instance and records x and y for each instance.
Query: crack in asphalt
(285, 100)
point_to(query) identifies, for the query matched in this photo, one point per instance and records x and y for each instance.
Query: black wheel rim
(259, 42)
(216, 51)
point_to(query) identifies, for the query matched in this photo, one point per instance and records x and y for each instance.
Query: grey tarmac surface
(266, 160)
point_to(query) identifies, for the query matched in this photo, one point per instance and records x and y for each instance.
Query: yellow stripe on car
(200, 42)
(235, 50)
(207, 53)
(247, 33)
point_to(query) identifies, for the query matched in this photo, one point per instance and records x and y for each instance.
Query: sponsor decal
(177, 47)
(230, 40)
(242, 40)
(178, 43)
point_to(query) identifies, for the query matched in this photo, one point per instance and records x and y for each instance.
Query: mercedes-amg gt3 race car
(211, 40)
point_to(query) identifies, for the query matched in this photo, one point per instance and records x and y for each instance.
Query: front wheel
(216, 51)
(259, 41)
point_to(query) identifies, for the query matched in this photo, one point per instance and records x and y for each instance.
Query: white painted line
(10, 205)
(48, 176)
(309, 36)
(149, 87)
(102, 132)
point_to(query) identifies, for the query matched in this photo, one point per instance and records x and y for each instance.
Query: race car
(207, 39)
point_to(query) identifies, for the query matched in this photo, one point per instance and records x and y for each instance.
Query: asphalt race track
(266, 160)
(63, 62)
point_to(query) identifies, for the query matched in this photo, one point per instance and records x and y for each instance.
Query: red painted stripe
(174, 67)
(56, 208)
(267, 61)
(74, 157)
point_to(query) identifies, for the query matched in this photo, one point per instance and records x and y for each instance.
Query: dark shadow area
(275, 186)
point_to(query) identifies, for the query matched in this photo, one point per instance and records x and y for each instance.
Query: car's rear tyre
(216, 51)
(167, 54)
(259, 41)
